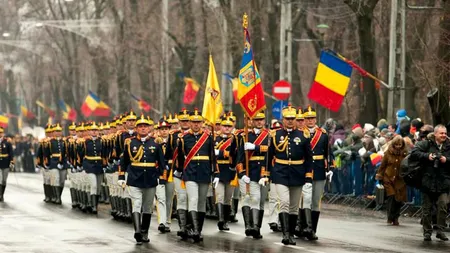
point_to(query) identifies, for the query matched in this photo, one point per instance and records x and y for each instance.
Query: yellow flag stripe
(332, 79)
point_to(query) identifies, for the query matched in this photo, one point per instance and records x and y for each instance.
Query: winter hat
(401, 114)
(357, 130)
(368, 127)
(382, 124)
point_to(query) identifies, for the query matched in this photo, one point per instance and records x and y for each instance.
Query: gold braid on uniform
(219, 145)
(282, 146)
(139, 153)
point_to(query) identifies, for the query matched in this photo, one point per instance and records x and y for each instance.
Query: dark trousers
(428, 199)
(393, 208)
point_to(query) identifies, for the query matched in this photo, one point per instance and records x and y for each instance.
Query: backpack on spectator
(410, 172)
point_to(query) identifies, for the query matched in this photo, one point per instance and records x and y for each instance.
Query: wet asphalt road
(27, 224)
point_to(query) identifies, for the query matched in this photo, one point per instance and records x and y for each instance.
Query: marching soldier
(236, 192)
(253, 177)
(6, 161)
(224, 180)
(171, 156)
(57, 162)
(42, 163)
(196, 161)
(143, 159)
(128, 132)
(71, 162)
(90, 153)
(274, 205)
(319, 149)
(290, 171)
(164, 192)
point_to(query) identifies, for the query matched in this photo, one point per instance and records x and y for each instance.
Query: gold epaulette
(159, 140)
(323, 130)
(306, 133)
(80, 140)
(128, 141)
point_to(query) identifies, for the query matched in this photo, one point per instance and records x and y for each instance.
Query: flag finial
(245, 21)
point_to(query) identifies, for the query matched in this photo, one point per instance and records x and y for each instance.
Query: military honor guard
(196, 160)
(290, 170)
(171, 155)
(90, 153)
(319, 149)
(225, 177)
(143, 161)
(253, 175)
(57, 162)
(6, 161)
(71, 162)
(164, 192)
(42, 164)
(128, 121)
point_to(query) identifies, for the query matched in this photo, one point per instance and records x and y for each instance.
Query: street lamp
(322, 29)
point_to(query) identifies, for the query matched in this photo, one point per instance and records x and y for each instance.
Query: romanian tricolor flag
(212, 103)
(331, 81)
(46, 108)
(68, 112)
(90, 104)
(249, 92)
(4, 120)
(144, 106)
(102, 110)
(235, 83)
(375, 159)
(27, 113)
(190, 90)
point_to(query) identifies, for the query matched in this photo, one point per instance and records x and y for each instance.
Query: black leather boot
(88, 203)
(46, 194)
(107, 197)
(94, 201)
(284, 220)
(222, 224)
(136, 217)
(80, 198)
(129, 209)
(309, 232)
(292, 222)
(58, 195)
(248, 220)
(256, 224)
(83, 206)
(73, 198)
(234, 209)
(315, 220)
(2, 191)
(195, 225)
(182, 221)
(209, 207)
(52, 194)
(301, 223)
(146, 218)
(201, 221)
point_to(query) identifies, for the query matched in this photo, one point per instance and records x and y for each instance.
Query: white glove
(249, 146)
(330, 174)
(215, 182)
(307, 188)
(116, 162)
(79, 168)
(121, 183)
(60, 166)
(246, 179)
(177, 174)
(216, 152)
(11, 166)
(262, 181)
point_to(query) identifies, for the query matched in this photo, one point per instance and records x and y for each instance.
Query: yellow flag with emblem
(212, 102)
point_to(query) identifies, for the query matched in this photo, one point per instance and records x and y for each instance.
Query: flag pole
(247, 186)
